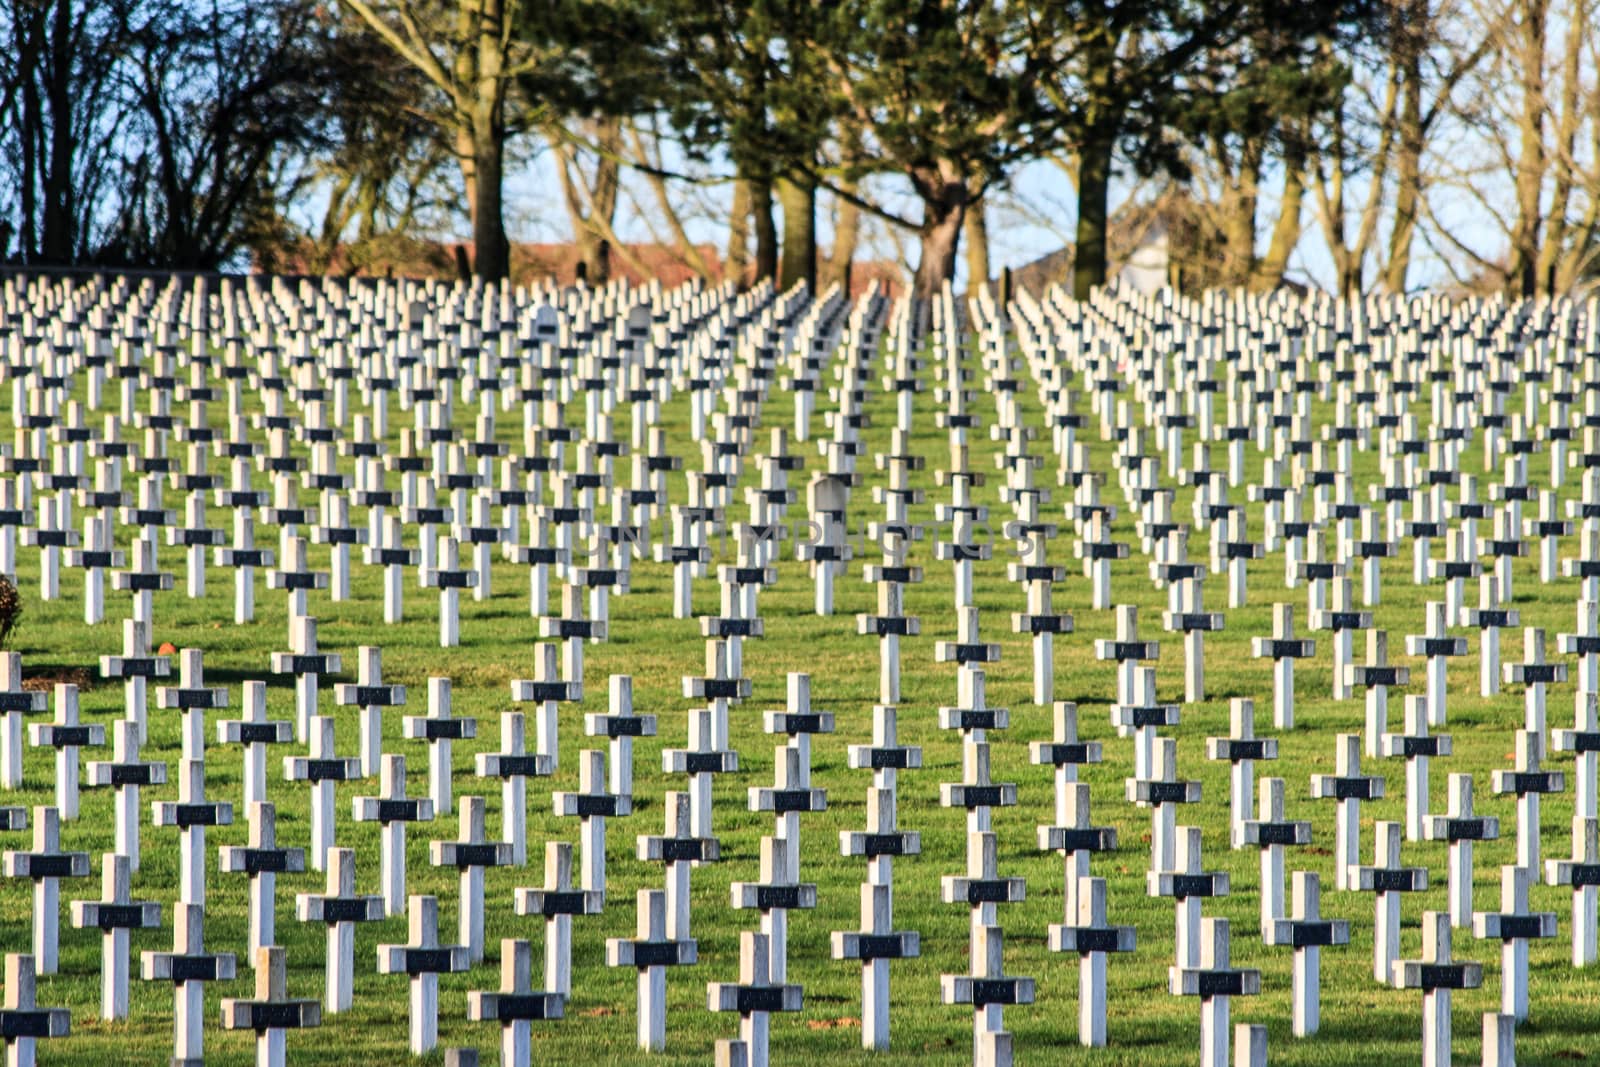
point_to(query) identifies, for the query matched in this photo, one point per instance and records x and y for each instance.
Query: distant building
(411, 257)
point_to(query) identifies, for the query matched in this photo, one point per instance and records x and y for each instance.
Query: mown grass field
(1362, 1022)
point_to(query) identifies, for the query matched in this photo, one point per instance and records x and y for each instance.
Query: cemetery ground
(1362, 1022)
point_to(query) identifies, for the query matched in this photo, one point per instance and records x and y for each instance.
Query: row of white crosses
(988, 989)
(189, 966)
(426, 384)
(763, 987)
(1527, 781)
(1175, 424)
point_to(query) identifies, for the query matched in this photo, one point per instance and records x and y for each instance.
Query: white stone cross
(890, 623)
(1349, 787)
(1527, 781)
(339, 909)
(254, 732)
(1437, 647)
(440, 730)
(775, 895)
(1307, 932)
(243, 557)
(1242, 748)
(1455, 569)
(1460, 827)
(371, 695)
(1388, 879)
(449, 577)
(337, 531)
(1283, 648)
(1514, 925)
(755, 996)
(392, 809)
(1585, 644)
(1549, 528)
(1189, 886)
(981, 888)
(1194, 622)
(1090, 934)
(15, 702)
(126, 773)
(321, 770)
(790, 796)
(272, 1014)
(1097, 551)
(96, 556)
(875, 945)
(651, 952)
(547, 689)
(188, 967)
(423, 959)
(114, 915)
(135, 666)
(143, 580)
(989, 990)
(1371, 549)
(195, 537)
(517, 1006)
(1272, 833)
(557, 902)
(262, 860)
(1489, 618)
(295, 575)
(592, 805)
(621, 725)
(392, 555)
(471, 854)
(680, 852)
(1436, 974)
(46, 865)
(22, 1021)
(66, 735)
(1418, 748)
(1077, 840)
(1162, 792)
(307, 663)
(1139, 717)
(191, 814)
(191, 695)
(1582, 873)
(1536, 674)
(514, 765)
(1342, 620)
(1215, 981)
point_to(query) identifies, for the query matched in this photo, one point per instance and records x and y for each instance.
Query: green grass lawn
(1361, 1021)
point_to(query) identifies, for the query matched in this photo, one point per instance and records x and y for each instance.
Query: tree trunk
(846, 233)
(1408, 177)
(1286, 231)
(593, 248)
(1239, 226)
(1567, 121)
(766, 233)
(940, 236)
(491, 254)
(1094, 191)
(60, 211)
(798, 198)
(977, 235)
(738, 257)
(26, 66)
(1530, 167)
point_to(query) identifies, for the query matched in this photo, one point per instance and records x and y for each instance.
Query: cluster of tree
(164, 133)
